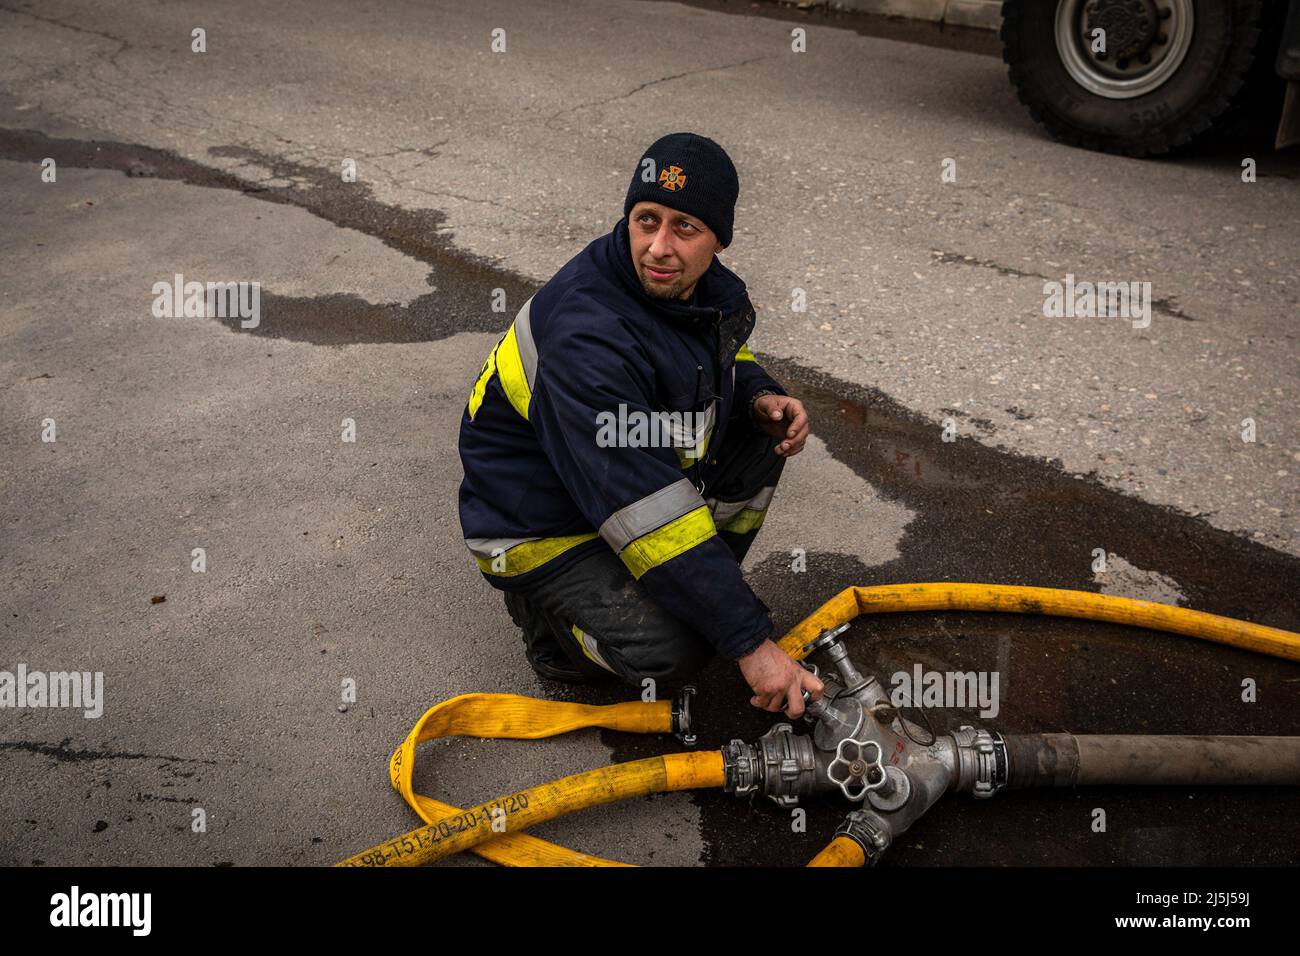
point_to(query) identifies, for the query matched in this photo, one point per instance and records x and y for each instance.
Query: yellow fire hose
(1056, 602)
(491, 829)
(840, 852)
(515, 717)
(468, 829)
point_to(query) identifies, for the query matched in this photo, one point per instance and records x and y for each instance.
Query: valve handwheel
(854, 771)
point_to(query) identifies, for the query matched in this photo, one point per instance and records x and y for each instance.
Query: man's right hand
(777, 681)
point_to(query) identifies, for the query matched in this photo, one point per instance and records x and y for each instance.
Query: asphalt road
(477, 171)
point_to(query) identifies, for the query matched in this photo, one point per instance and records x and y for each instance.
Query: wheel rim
(1146, 42)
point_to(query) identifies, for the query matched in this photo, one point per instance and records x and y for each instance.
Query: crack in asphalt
(124, 43)
(1164, 306)
(649, 83)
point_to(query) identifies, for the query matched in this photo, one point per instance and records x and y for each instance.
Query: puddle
(327, 319)
(340, 320)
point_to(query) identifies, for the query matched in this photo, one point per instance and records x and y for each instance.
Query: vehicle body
(1143, 77)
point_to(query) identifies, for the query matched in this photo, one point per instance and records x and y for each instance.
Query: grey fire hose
(1067, 760)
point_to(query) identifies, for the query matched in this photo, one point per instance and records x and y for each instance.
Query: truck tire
(1170, 69)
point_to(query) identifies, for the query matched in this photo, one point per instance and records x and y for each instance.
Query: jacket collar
(719, 289)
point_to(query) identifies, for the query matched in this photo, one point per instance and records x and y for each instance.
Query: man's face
(670, 249)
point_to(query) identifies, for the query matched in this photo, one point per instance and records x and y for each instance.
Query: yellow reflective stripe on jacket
(480, 386)
(745, 355)
(741, 516)
(514, 361)
(664, 544)
(650, 513)
(524, 557)
(745, 521)
(688, 457)
(692, 443)
(510, 368)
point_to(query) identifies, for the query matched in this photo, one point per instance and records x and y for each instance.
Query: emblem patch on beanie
(711, 193)
(672, 179)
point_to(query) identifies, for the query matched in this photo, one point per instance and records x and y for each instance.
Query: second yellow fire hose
(1056, 602)
(469, 828)
(512, 716)
(492, 829)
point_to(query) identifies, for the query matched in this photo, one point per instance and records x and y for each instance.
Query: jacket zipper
(714, 395)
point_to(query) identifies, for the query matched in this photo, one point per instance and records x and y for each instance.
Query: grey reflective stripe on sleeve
(527, 347)
(493, 547)
(724, 511)
(684, 437)
(653, 511)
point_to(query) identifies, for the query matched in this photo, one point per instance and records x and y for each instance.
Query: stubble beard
(659, 291)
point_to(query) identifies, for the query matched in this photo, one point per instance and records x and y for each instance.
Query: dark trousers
(593, 616)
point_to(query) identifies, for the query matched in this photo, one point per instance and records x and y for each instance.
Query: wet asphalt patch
(464, 282)
(986, 516)
(981, 515)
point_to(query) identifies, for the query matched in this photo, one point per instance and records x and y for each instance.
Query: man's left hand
(783, 417)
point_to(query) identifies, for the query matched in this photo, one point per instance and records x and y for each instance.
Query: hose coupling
(740, 768)
(782, 766)
(981, 761)
(830, 637)
(683, 728)
(869, 831)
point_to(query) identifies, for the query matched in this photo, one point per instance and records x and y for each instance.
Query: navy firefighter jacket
(590, 426)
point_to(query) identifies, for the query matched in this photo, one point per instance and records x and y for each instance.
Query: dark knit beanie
(689, 173)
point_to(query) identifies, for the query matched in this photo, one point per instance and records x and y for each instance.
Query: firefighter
(621, 447)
